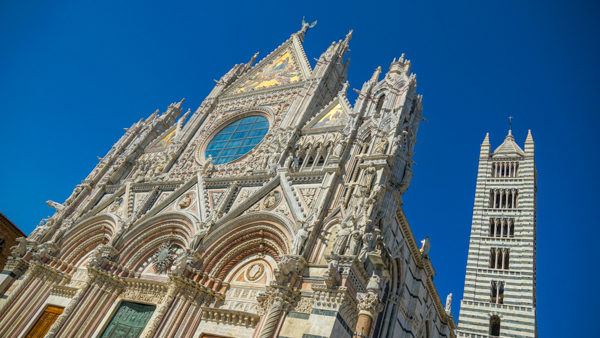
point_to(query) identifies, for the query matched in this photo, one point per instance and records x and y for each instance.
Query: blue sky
(74, 74)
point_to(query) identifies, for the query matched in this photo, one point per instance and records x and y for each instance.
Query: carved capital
(368, 302)
(289, 266)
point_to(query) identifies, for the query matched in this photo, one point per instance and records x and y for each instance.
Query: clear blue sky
(74, 74)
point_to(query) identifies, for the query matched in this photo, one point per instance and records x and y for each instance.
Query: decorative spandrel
(280, 71)
(129, 321)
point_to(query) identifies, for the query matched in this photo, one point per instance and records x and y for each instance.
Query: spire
(252, 59)
(376, 73)
(486, 140)
(529, 145)
(508, 148)
(344, 45)
(485, 146)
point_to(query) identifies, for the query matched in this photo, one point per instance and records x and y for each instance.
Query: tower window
(503, 198)
(499, 258)
(497, 292)
(495, 326)
(505, 169)
(502, 227)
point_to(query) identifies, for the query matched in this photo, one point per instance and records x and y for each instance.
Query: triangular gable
(508, 148)
(164, 140)
(335, 114)
(271, 197)
(284, 66)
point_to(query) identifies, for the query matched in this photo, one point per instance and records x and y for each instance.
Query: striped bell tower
(499, 296)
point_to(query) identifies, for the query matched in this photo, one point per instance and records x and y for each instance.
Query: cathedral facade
(273, 210)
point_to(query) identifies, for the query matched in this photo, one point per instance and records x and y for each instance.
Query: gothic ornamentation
(164, 258)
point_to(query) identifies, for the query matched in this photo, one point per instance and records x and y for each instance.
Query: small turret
(529, 145)
(485, 147)
(399, 67)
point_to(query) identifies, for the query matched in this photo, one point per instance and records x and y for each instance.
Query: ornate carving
(254, 272)
(186, 200)
(448, 307)
(164, 258)
(271, 200)
(341, 240)
(300, 240)
(368, 302)
(425, 247)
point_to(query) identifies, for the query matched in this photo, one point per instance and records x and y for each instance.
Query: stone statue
(381, 146)
(448, 307)
(180, 263)
(341, 241)
(208, 166)
(374, 284)
(355, 242)
(338, 149)
(55, 205)
(186, 201)
(425, 246)
(197, 239)
(368, 244)
(20, 249)
(299, 240)
(288, 161)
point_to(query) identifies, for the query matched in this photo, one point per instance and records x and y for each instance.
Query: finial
(349, 35)
(305, 26)
(510, 124)
(178, 104)
(376, 73)
(345, 87)
(252, 59)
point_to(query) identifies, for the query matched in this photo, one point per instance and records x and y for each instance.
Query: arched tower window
(495, 326)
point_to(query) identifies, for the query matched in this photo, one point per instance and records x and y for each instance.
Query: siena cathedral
(272, 210)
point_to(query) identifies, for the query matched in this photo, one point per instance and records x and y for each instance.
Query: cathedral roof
(508, 148)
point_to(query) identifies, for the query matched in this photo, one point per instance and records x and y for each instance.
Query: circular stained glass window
(237, 139)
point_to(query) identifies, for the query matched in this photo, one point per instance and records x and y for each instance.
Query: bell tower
(499, 295)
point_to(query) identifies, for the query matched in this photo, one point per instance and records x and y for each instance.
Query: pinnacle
(529, 138)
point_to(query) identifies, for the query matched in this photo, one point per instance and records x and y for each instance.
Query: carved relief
(254, 272)
(271, 200)
(186, 200)
(164, 257)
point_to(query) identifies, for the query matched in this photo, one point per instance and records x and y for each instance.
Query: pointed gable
(335, 114)
(286, 65)
(508, 148)
(281, 70)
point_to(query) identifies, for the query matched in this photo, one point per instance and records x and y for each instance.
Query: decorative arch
(83, 237)
(254, 234)
(141, 242)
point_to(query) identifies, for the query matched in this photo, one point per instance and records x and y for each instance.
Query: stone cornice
(230, 317)
(424, 264)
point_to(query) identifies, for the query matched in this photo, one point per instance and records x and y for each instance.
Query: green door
(129, 320)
